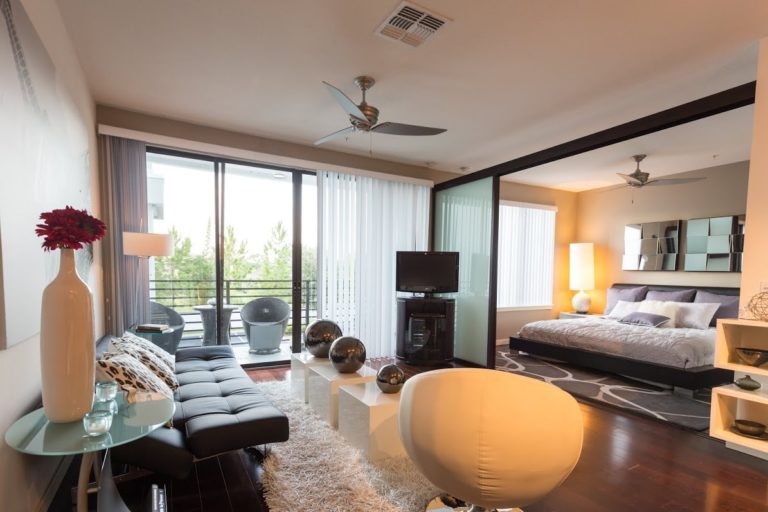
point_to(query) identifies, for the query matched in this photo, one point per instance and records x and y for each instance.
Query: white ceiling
(505, 78)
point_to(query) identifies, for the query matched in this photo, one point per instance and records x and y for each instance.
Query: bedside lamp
(582, 275)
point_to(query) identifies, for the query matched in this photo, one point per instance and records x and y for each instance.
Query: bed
(678, 357)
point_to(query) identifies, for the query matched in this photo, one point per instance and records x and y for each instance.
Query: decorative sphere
(390, 378)
(319, 335)
(347, 354)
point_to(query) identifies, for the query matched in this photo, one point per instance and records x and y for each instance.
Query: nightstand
(573, 315)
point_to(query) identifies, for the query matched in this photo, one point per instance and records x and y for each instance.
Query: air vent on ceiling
(411, 24)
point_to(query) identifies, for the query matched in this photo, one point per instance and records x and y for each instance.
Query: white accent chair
(490, 438)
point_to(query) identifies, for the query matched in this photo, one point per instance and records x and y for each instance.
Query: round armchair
(491, 439)
(264, 322)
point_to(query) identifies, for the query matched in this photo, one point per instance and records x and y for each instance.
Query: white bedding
(681, 348)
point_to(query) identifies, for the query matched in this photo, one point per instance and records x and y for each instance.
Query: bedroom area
(643, 266)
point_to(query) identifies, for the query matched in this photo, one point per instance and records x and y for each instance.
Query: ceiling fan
(364, 117)
(639, 179)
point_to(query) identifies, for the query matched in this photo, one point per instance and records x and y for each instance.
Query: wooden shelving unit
(731, 402)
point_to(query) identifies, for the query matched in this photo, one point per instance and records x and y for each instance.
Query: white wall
(25, 479)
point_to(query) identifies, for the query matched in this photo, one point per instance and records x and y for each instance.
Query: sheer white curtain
(363, 222)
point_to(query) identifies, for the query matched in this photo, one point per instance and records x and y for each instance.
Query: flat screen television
(427, 272)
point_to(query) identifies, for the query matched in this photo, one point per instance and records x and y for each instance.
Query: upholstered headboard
(665, 288)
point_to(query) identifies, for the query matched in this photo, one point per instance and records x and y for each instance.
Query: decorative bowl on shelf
(750, 428)
(752, 356)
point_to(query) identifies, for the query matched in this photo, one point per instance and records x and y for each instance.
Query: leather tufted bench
(218, 409)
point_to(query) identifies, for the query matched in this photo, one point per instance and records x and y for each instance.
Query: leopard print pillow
(132, 339)
(130, 374)
(151, 361)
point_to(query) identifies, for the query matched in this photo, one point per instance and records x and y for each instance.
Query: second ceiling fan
(364, 117)
(639, 179)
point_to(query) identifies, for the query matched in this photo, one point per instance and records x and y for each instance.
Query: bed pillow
(626, 294)
(672, 295)
(729, 305)
(645, 319)
(695, 315)
(657, 307)
(622, 309)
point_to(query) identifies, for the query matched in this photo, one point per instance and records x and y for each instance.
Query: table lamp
(582, 275)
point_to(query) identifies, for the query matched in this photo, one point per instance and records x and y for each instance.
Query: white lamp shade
(582, 266)
(147, 244)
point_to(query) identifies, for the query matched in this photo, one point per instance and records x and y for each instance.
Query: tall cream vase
(67, 347)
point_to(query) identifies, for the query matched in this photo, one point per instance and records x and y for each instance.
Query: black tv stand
(425, 330)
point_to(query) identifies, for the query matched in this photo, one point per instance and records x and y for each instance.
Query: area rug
(634, 396)
(317, 470)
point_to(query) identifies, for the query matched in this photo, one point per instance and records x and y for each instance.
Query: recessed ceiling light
(278, 175)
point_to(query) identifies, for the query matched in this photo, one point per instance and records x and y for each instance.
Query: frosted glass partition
(463, 222)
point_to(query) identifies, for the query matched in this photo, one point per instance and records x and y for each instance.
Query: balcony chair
(264, 321)
(491, 439)
(164, 315)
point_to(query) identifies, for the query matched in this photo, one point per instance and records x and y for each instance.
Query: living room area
(297, 257)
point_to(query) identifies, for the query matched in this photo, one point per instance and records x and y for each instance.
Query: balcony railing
(183, 294)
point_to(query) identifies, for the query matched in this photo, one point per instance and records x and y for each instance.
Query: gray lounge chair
(164, 315)
(264, 321)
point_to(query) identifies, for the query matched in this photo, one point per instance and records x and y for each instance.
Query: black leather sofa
(218, 409)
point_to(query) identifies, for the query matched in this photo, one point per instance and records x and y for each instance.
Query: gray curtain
(123, 173)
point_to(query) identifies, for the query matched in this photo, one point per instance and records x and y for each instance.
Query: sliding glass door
(238, 274)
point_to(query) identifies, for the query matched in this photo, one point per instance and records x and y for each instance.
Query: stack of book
(152, 327)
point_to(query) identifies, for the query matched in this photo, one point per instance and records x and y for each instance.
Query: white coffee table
(368, 420)
(323, 389)
(300, 365)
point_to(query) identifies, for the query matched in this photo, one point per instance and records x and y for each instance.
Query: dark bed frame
(688, 378)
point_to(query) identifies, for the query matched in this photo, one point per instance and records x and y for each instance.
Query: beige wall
(756, 240)
(25, 480)
(602, 215)
(509, 322)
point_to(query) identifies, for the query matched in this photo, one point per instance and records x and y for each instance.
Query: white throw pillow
(695, 315)
(130, 374)
(623, 308)
(664, 308)
(129, 337)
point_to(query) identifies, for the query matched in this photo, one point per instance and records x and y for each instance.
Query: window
(526, 255)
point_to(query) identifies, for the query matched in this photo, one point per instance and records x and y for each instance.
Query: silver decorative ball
(347, 354)
(319, 335)
(390, 378)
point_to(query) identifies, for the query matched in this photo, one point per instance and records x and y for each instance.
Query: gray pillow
(729, 305)
(646, 319)
(627, 294)
(672, 295)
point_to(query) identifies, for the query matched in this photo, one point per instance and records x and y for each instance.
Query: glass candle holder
(109, 406)
(97, 423)
(106, 391)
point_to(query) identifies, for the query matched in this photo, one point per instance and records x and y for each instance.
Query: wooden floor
(628, 463)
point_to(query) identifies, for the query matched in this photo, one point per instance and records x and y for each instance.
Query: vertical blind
(363, 222)
(526, 255)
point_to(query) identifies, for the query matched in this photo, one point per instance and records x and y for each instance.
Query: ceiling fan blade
(631, 180)
(673, 181)
(405, 129)
(345, 131)
(347, 104)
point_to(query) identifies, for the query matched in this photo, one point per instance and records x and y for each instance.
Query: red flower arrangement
(69, 228)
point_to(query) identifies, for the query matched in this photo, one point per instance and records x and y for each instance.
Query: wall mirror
(651, 246)
(714, 244)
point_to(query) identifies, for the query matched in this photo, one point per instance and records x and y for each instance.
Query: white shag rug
(317, 470)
